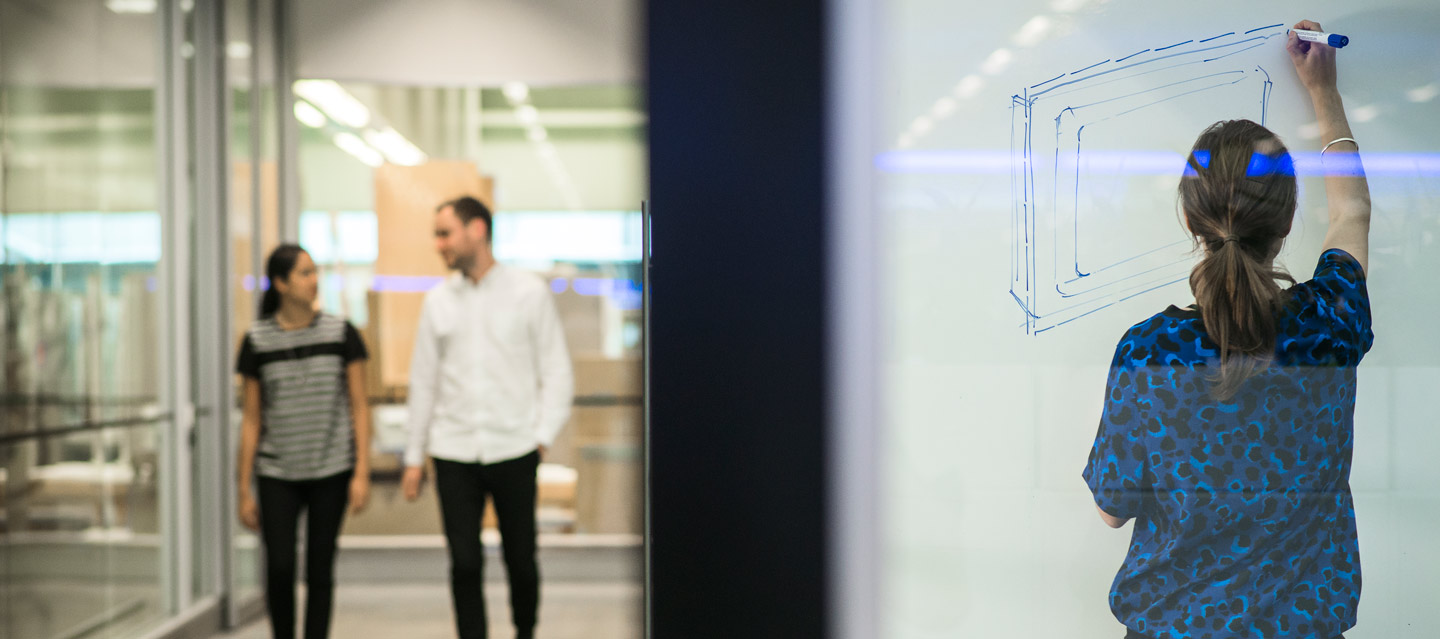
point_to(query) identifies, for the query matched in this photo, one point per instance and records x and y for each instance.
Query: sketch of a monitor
(1096, 154)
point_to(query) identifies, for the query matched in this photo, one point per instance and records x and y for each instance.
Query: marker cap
(1338, 41)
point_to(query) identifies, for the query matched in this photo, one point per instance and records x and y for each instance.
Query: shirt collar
(458, 281)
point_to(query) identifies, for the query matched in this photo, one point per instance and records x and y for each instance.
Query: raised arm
(1346, 189)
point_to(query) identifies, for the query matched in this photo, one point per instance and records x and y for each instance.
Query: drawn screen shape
(1097, 154)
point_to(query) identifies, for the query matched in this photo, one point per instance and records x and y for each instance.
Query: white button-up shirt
(490, 377)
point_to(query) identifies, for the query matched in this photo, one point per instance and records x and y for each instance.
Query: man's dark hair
(468, 209)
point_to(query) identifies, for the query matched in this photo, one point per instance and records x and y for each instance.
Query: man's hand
(410, 482)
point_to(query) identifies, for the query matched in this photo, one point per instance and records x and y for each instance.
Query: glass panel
(254, 223)
(564, 169)
(80, 234)
(80, 535)
(1026, 180)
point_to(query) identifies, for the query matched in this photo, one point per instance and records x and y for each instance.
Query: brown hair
(1238, 195)
(468, 209)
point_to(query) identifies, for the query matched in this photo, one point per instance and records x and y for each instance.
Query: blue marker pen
(1333, 39)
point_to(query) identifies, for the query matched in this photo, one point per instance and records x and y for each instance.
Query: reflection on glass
(80, 234)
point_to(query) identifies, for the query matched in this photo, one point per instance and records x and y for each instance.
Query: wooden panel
(602, 376)
(245, 303)
(405, 200)
(398, 317)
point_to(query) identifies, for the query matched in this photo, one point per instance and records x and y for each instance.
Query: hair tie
(1230, 238)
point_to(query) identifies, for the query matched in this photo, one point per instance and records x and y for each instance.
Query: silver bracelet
(1350, 140)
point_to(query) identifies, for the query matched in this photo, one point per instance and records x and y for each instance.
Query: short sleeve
(1344, 301)
(1115, 471)
(354, 345)
(247, 363)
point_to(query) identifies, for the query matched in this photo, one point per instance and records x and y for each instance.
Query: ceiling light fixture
(516, 92)
(308, 115)
(335, 101)
(395, 147)
(131, 6)
(352, 144)
(997, 62)
(1033, 32)
(1425, 93)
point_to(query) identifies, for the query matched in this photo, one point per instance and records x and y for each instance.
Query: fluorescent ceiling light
(131, 6)
(335, 101)
(969, 86)
(1068, 6)
(516, 92)
(527, 114)
(308, 115)
(1366, 113)
(922, 125)
(352, 144)
(943, 108)
(1425, 93)
(395, 147)
(997, 62)
(537, 134)
(1033, 32)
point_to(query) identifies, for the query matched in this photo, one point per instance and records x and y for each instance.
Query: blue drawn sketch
(1079, 242)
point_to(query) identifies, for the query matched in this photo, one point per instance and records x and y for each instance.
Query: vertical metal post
(172, 134)
(853, 383)
(645, 397)
(289, 130)
(211, 291)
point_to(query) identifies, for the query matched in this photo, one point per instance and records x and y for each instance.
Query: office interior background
(153, 152)
(803, 469)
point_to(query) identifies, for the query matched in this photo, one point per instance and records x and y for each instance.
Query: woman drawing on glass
(1227, 426)
(305, 435)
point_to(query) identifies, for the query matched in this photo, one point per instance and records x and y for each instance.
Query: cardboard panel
(405, 200)
(600, 376)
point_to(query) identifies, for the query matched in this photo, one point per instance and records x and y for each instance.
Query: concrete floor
(568, 610)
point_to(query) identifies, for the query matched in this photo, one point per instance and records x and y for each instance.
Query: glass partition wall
(114, 234)
(562, 167)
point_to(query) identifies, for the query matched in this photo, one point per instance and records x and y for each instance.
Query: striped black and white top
(305, 402)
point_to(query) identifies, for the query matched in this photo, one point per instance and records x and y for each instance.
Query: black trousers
(463, 488)
(281, 502)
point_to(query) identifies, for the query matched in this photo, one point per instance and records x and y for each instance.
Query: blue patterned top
(1244, 522)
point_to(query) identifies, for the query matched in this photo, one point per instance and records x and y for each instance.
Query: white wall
(469, 43)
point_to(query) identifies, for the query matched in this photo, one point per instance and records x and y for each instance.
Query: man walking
(490, 388)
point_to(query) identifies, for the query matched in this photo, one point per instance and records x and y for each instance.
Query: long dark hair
(278, 267)
(1239, 203)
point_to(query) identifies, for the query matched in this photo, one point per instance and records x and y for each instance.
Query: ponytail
(1239, 302)
(1239, 195)
(269, 302)
(278, 267)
